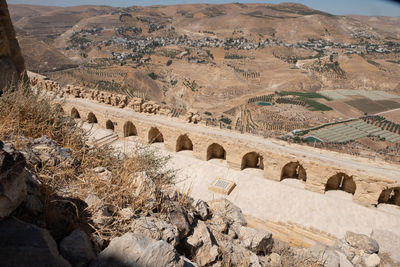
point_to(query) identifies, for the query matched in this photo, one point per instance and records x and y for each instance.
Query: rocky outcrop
(388, 243)
(258, 241)
(24, 244)
(157, 229)
(182, 233)
(201, 245)
(228, 210)
(12, 66)
(12, 180)
(77, 248)
(362, 242)
(138, 250)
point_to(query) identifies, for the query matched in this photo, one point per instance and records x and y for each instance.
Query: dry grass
(34, 114)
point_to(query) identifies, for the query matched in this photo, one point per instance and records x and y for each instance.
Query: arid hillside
(222, 60)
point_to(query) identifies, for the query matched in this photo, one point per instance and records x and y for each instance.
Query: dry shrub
(34, 114)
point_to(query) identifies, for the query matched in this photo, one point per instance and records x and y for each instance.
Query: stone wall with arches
(317, 175)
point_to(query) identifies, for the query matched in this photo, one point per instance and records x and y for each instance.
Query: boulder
(33, 205)
(93, 202)
(144, 187)
(77, 248)
(201, 209)
(344, 247)
(218, 226)
(180, 219)
(372, 260)
(157, 229)
(227, 210)
(389, 243)
(344, 261)
(233, 254)
(138, 250)
(272, 260)
(362, 242)
(201, 246)
(323, 255)
(24, 244)
(258, 241)
(13, 176)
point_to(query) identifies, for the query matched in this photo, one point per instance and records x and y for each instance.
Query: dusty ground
(393, 115)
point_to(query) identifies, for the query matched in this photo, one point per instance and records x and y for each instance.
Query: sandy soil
(392, 115)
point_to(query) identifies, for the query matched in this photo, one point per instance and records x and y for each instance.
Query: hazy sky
(338, 7)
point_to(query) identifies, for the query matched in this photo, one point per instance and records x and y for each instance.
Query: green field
(315, 105)
(306, 95)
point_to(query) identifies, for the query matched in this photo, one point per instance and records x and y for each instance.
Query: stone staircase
(293, 234)
(106, 140)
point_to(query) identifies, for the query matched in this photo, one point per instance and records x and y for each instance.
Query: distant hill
(40, 57)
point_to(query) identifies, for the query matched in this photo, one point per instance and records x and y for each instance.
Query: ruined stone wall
(12, 66)
(315, 173)
(114, 109)
(137, 104)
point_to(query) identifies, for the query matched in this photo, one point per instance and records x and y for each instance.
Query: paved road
(370, 167)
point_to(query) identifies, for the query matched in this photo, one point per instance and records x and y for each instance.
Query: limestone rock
(93, 202)
(234, 254)
(144, 186)
(344, 247)
(201, 209)
(372, 260)
(180, 219)
(24, 244)
(201, 245)
(272, 260)
(258, 241)
(322, 254)
(12, 66)
(388, 242)
(218, 225)
(77, 248)
(13, 178)
(157, 229)
(362, 242)
(138, 250)
(344, 261)
(228, 210)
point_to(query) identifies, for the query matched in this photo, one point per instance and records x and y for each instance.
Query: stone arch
(75, 113)
(390, 196)
(155, 136)
(60, 109)
(341, 181)
(294, 170)
(91, 118)
(183, 143)
(216, 151)
(129, 129)
(252, 160)
(109, 125)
